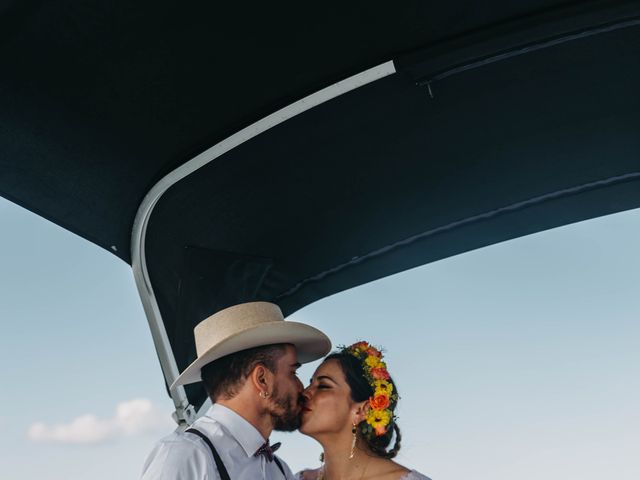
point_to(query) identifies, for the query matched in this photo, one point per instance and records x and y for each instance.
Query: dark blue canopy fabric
(502, 119)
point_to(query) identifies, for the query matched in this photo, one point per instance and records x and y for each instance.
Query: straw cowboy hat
(250, 325)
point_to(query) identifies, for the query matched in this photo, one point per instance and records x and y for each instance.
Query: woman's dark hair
(361, 390)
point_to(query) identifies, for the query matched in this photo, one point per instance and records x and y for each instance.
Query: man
(247, 359)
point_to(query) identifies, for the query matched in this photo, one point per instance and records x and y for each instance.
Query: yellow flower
(379, 419)
(382, 386)
(372, 361)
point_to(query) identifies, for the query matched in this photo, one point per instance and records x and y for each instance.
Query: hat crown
(250, 325)
(232, 321)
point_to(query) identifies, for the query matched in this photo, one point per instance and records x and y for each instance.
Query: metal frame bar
(185, 413)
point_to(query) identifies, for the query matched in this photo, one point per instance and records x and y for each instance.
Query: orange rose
(379, 402)
(380, 373)
(380, 430)
(360, 345)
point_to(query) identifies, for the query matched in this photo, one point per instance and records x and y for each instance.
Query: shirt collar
(245, 434)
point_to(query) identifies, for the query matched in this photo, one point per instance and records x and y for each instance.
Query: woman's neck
(338, 465)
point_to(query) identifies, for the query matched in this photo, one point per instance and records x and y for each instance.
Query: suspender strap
(224, 475)
(222, 470)
(275, 459)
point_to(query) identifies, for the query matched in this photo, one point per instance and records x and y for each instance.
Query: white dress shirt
(185, 456)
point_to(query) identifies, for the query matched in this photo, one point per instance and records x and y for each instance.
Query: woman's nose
(306, 394)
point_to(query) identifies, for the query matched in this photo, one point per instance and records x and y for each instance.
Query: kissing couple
(247, 360)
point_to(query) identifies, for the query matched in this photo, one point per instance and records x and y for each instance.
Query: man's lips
(305, 409)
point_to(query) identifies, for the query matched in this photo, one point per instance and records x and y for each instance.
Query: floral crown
(380, 415)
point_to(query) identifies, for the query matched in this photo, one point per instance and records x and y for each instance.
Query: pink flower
(374, 352)
(380, 373)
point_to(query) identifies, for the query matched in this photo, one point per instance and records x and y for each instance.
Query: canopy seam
(459, 223)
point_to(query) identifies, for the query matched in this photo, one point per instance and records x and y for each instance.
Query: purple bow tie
(267, 450)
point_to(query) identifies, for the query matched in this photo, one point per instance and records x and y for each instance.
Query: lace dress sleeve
(415, 475)
(307, 475)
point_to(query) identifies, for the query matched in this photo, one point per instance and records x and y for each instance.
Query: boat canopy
(285, 152)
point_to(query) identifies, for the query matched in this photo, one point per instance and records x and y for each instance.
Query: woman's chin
(304, 428)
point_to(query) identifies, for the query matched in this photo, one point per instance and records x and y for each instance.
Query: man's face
(285, 406)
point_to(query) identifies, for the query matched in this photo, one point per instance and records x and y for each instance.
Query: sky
(518, 360)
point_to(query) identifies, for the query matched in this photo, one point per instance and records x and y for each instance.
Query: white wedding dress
(313, 474)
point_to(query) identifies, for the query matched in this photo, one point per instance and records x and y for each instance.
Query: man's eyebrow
(296, 365)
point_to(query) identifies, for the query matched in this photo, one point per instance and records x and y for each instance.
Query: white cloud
(134, 417)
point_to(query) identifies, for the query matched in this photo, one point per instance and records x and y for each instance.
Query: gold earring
(353, 442)
(263, 394)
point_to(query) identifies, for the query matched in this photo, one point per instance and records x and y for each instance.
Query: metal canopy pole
(185, 413)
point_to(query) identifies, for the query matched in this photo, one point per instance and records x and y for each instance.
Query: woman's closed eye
(319, 384)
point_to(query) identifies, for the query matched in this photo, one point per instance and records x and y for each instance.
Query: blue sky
(520, 360)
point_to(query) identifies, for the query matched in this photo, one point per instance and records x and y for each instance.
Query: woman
(349, 409)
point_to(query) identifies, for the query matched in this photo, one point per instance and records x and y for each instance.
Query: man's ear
(262, 380)
(360, 411)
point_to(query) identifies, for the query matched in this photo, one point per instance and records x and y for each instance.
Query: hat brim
(310, 344)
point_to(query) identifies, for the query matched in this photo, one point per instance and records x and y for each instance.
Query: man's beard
(286, 417)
